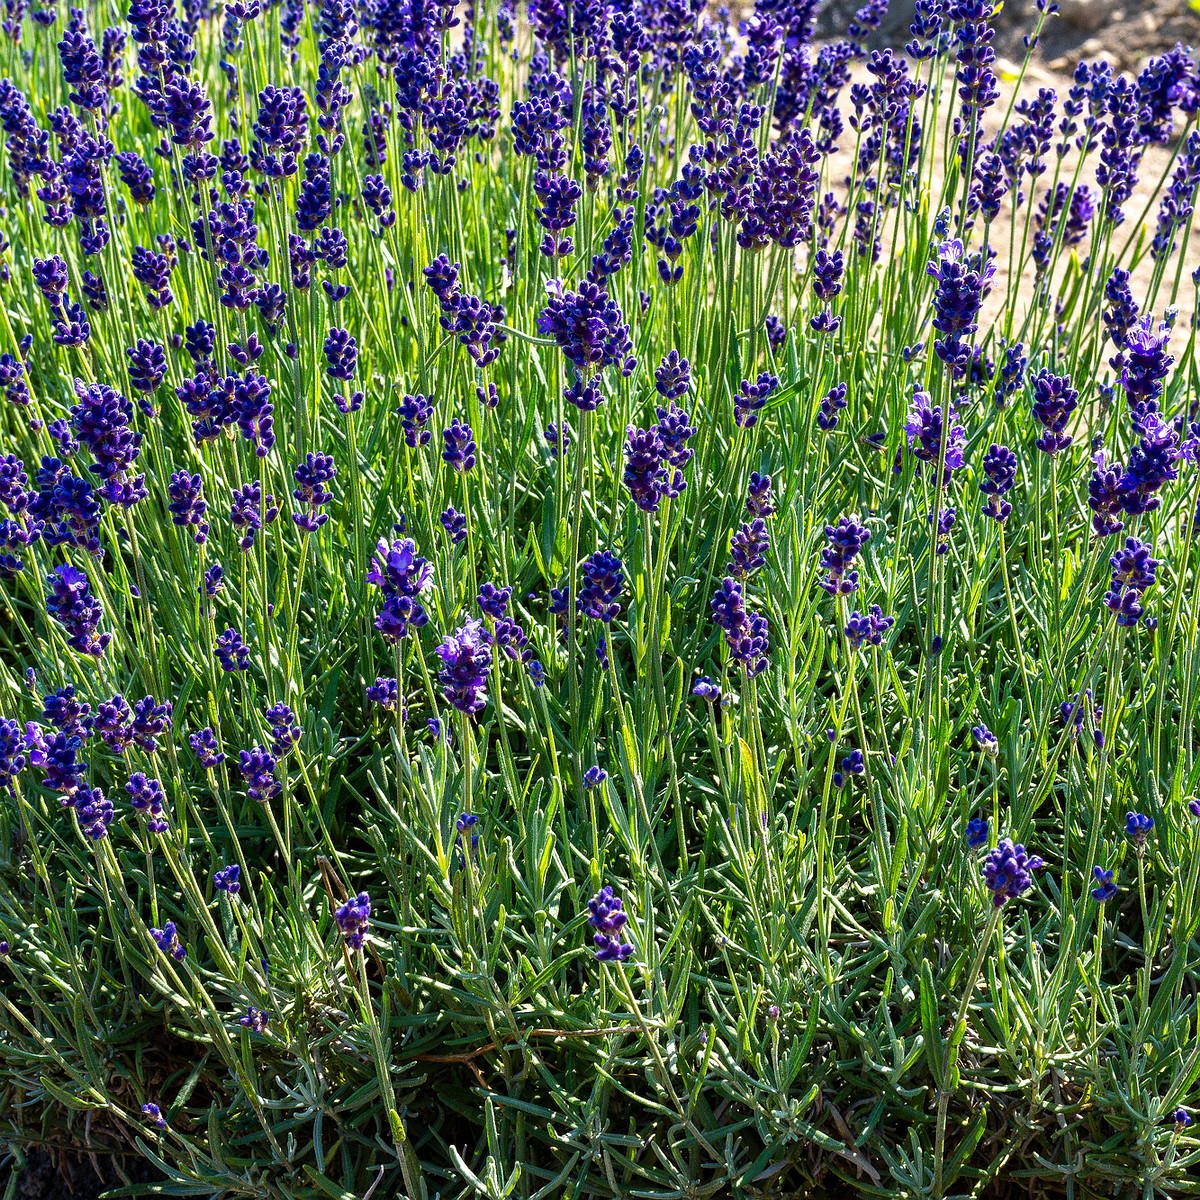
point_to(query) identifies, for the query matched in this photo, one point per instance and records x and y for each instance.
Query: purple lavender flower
(73, 606)
(978, 89)
(147, 365)
(985, 741)
(466, 661)
(999, 474)
(750, 398)
(1106, 496)
(136, 176)
(926, 430)
(1054, 403)
(50, 278)
(385, 693)
(1145, 363)
(255, 1020)
(206, 748)
(846, 540)
(200, 340)
(1167, 82)
(341, 354)
(607, 917)
(472, 318)
(673, 376)
(558, 195)
(187, 507)
(150, 721)
(493, 601)
(588, 327)
(455, 525)
(513, 640)
(945, 520)
(1012, 373)
(94, 812)
(257, 768)
(827, 277)
(377, 196)
(152, 1110)
(67, 713)
(1008, 871)
(146, 796)
(280, 131)
(354, 920)
(312, 475)
(167, 939)
(601, 581)
(674, 433)
(557, 441)
(153, 271)
(977, 832)
(1105, 889)
(759, 501)
(232, 653)
(832, 403)
(285, 731)
(82, 68)
(962, 284)
(460, 446)
(67, 506)
(414, 413)
(442, 277)
(1178, 200)
(869, 629)
(1121, 147)
(645, 475)
(783, 193)
(593, 777)
(226, 879)
(101, 419)
(65, 771)
(12, 756)
(1074, 712)
(1123, 313)
(1137, 829)
(1152, 463)
(71, 327)
(402, 576)
(748, 549)
(1133, 572)
(746, 633)
(852, 765)
(707, 691)
(467, 821)
(249, 400)
(315, 201)
(12, 380)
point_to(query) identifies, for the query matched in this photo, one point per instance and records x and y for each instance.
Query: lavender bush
(598, 599)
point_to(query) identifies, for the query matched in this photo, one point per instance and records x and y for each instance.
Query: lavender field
(598, 598)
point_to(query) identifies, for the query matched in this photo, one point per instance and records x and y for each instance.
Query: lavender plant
(554, 559)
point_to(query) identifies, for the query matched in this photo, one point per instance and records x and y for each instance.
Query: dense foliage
(597, 600)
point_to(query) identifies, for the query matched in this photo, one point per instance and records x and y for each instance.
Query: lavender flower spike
(1008, 871)
(354, 920)
(608, 918)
